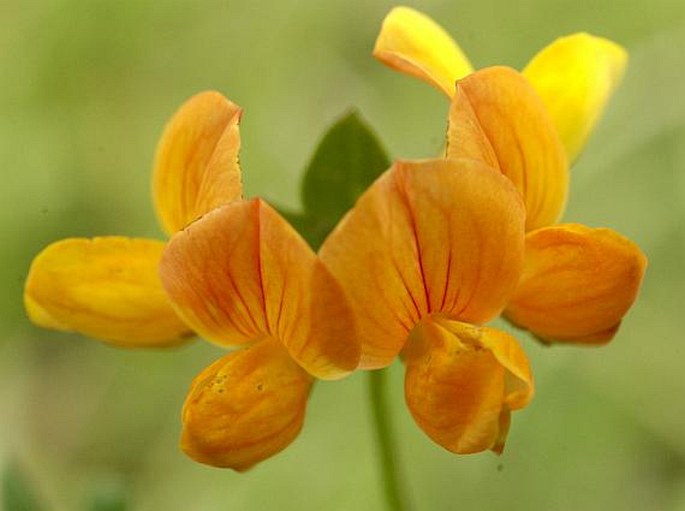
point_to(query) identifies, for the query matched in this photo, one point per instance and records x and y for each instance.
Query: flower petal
(461, 383)
(106, 288)
(196, 167)
(518, 381)
(245, 407)
(496, 117)
(433, 236)
(575, 76)
(578, 283)
(241, 272)
(413, 43)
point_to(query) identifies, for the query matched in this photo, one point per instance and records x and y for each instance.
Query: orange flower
(242, 276)
(577, 282)
(238, 276)
(108, 287)
(431, 252)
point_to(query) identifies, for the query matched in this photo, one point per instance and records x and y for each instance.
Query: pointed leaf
(346, 162)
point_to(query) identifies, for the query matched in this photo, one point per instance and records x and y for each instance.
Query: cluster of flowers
(430, 253)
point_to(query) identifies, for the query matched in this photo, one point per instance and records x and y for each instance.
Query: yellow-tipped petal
(497, 117)
(241, 272)
(577, 284)
(575, 76)
(245, 407)
(433, 236)
(462, 381)
(414, 44)
(196, 168)
(107, 288)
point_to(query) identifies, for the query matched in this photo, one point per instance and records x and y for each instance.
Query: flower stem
(387, 455)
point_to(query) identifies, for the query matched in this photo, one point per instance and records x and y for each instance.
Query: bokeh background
(85, 88)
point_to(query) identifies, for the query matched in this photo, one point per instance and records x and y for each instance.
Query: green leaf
(348, 159)
(17, 493)
(312, 229)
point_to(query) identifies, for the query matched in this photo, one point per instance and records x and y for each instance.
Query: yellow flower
(235, 272)
(578, 282)
(242, 276)
(575, 75)
(108, 287)
(431, 252)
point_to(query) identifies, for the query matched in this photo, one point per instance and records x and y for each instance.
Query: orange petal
(575, 76)
(518, 380)
(413, 43)
(197, 168)
(106, 288)
(241, 272)
(462, 381)
(497, 117)
(433, 236)
(245, 407)
(577, 284)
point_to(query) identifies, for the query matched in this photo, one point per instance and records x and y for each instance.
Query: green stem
(388, 459)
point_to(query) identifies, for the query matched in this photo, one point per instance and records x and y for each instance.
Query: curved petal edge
(463, 381)
(428, 236)
(497, 117)
(245, 407)
(241, 272)
(411, 42)
(578, 283)
(196, 168)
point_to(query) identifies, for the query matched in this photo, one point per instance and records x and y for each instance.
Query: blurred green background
(85, 88)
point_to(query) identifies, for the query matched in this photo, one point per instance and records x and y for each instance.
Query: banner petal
(432, 236)
(414, 44)
(241, 272)
(197, 168)
(576, 76)
(497, 117)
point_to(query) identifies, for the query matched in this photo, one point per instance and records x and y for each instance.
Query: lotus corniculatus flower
(108, 287)
(241, 276)
(430, 253)
(578, 281)
(236, 273)
(574, 76)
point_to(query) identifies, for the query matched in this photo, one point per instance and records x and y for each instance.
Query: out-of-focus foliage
(17, 492)
(85, 87)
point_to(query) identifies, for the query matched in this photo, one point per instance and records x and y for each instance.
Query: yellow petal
(462, 381)
(413, 43)
(106, 288)
(241, 272)
(196, 167)
(245, 407)
(433, 236)
(575, 76)
(497, 117)
(578, 283)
